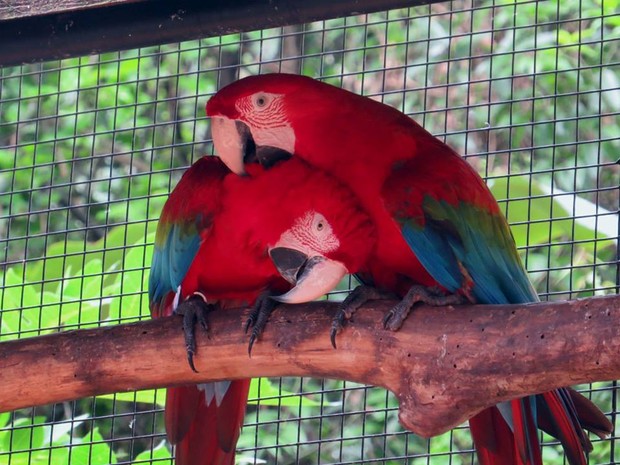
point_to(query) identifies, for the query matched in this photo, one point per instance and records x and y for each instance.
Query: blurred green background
(90, 147)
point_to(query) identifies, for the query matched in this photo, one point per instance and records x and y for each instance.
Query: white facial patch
(264, 114)
(312, 233)
(282, 137)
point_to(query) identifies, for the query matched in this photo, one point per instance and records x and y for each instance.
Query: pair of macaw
(429, 221)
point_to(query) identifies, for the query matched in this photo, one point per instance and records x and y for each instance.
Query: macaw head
(312, 226)
(269, 117)
(313, 256)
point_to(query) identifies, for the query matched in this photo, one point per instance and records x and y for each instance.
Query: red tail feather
(205, 434)
(559, 419)
(493, 438)
(230, 414)
(525, 433)
(561, 413)
(589, 415)
(181, 408)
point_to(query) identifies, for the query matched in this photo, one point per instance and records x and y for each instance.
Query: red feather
(525, 435)
(208, 433)
(393, 164)
(181, 409)
(209, 227)
(230, 414)
(589, 415)
(557, 416)
(493, 438)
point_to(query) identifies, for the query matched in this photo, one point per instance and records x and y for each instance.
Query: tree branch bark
(444, 365)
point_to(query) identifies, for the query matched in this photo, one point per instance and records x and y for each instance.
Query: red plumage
(212, 241)
(437, 223)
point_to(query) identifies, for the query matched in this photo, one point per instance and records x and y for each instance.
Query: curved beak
(313, 276)
(235, 145)
(289, 262)
(233, 141)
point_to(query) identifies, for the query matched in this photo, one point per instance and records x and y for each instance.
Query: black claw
(194, 310)
(258, 318)
(332, 336)
(386, 318)
(202, 320)
(434, 296)
(189, 320)
(251, 321)
(190, 360)
(395, 318)
(358, 297)
(343, 315)
(251, 343)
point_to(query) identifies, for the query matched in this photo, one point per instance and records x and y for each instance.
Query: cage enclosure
(91, 144)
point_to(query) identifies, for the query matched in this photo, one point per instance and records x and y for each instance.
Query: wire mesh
(90, 147)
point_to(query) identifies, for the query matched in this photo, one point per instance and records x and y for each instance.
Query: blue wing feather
(465, 237)
(185, 222)
(450, 221)
(172, 259)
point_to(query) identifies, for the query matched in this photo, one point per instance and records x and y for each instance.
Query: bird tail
(204, 421)
(507, 433)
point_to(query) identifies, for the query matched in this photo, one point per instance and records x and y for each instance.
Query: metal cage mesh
(90, 147)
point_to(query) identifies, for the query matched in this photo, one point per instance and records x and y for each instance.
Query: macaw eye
(260, 101)
(320, 224)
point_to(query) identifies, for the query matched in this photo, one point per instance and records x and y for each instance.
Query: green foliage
(90, 148)
(33, 441)
(78, 284)
(160, 455)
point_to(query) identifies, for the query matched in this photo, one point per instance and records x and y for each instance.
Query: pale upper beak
(230, 142)
(313, 276)
(235, 145)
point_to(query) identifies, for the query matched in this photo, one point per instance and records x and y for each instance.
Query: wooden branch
(444, 365)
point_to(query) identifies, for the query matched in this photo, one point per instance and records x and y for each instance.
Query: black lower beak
(265, 155)
(269, 156)
(289, 262)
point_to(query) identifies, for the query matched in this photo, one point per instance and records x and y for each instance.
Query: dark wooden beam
(110, 26)
(13, 9)
(444, 365)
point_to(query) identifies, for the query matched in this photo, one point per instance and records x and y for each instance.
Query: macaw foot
(258, 318)
(434, 296)
(194, 310)
(358, 297)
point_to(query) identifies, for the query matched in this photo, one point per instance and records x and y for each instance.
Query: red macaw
(214, 247)
(437, 225)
